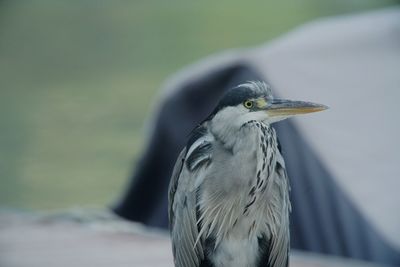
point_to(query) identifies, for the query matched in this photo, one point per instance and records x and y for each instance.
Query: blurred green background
(78, 80)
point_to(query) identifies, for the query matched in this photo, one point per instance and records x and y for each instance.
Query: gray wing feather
(280, 238)
(182, 216)
(173, 184)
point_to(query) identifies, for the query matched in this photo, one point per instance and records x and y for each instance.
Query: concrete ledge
(85, 238)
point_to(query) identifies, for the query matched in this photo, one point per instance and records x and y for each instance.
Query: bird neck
(226, 125)
(229, 132)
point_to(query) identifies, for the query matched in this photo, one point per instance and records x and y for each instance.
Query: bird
(229, 190)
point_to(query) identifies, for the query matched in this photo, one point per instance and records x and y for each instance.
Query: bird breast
(234, 191)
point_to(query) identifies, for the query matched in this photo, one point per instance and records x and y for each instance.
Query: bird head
(254, 101)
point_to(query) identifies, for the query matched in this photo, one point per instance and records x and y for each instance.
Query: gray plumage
(229, 193)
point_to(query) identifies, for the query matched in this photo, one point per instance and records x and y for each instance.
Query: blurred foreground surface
(100, 239)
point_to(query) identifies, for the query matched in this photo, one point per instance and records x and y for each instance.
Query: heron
(229, 191)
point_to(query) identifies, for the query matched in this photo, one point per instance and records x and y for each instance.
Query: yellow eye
(248, 104)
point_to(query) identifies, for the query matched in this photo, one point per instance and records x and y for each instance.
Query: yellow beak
(283, 107)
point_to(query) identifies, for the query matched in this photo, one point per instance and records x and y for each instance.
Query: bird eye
(248, 104)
